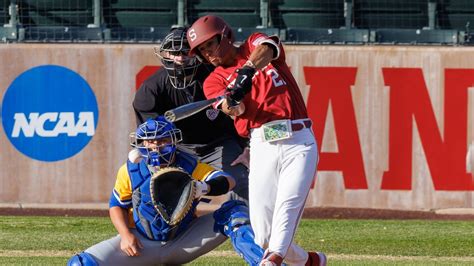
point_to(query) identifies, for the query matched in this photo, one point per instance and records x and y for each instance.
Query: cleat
(271, 259)
(316, 259)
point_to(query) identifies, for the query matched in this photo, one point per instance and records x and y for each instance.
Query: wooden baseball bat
(189, 109)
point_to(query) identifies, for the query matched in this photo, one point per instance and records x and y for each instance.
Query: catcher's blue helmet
(156, 139)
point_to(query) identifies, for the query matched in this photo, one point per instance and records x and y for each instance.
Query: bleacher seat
(313, 21)
(56, 12)
(63, 20)
(238, 14)
(396, 14)
(309, 14)
(456, 14)
(135, 20)
(4, 17)
(243, 16)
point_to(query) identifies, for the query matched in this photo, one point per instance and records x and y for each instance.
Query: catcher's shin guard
(82, 259)
(233, 220)
(244, 244)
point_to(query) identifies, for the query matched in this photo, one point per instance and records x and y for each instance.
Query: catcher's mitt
(172, 193)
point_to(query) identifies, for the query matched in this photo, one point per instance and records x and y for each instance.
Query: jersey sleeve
(122, 192)
(258, 38)
(205, 172)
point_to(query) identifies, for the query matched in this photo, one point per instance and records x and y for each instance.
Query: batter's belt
(296, 125)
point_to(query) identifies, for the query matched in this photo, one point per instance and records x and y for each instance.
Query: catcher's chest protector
(147, 220)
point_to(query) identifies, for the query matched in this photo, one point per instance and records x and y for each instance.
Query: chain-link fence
(295, 21)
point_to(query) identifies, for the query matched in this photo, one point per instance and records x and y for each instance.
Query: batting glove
(231, 102)
(243, 83)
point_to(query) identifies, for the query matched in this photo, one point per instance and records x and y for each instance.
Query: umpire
(209, 134)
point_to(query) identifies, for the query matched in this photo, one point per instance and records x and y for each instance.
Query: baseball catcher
(153, 206)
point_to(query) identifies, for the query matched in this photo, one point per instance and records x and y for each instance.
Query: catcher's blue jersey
(133, 181)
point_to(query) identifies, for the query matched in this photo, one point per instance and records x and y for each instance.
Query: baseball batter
(145, 236)
(268, 106)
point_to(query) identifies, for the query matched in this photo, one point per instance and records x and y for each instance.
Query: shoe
(316, 259)
(271, 259)
(266, 262)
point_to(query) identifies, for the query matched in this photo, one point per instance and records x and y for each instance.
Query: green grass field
(30, 240)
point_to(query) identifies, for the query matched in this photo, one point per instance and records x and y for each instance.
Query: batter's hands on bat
(243, 158)
(130, 244)
(243, 83)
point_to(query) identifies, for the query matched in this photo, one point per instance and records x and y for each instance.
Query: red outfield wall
(393, 123)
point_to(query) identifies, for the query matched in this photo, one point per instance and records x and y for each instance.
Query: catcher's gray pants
(220, 154)
(197, 240)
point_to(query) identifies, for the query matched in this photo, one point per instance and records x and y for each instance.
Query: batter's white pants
(280, 178)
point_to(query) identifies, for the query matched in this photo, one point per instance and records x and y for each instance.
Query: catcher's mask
(156, 139)
(174, 55)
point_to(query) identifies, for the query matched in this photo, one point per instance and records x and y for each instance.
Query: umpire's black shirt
(156, 96)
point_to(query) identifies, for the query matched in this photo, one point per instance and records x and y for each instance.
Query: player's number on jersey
(277, 81)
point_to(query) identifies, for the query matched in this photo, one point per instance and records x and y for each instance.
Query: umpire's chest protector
(147, 220)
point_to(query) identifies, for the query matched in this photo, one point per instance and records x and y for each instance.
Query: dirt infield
(309, 213)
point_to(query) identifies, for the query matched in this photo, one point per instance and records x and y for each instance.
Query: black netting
(295, 21)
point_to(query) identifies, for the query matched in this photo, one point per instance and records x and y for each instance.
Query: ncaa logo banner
(49, 113)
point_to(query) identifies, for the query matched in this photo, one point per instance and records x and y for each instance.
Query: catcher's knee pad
(82, 259)
(243, 241)
(230, 215)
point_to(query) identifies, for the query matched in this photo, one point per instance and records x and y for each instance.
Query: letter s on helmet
(206, 28)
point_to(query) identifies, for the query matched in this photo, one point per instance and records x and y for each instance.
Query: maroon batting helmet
(206, 28)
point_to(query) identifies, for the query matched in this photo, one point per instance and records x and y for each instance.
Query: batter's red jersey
(275, 94)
